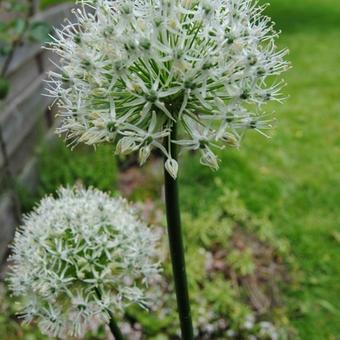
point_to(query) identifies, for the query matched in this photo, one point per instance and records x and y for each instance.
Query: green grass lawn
(293, 177)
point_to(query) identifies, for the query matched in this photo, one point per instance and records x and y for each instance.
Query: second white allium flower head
(79, 256)
(131, 69)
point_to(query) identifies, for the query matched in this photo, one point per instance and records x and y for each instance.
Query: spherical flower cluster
(132, 69)
(79, 256)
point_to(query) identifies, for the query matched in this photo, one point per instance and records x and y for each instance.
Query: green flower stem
(114, 328)
(176, 246)
(113, 325)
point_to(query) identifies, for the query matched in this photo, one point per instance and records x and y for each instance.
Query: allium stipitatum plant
(78, 257)
(132, 70)
(167, 74)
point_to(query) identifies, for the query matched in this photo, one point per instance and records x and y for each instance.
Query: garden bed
(236, 264)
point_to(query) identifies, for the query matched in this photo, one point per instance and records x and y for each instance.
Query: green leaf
(5, 48)
(328, 306)
(4, 88)
(18, 7)
(19, 26)
(39, 31)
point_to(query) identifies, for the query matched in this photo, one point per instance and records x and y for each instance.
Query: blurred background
(291, 181)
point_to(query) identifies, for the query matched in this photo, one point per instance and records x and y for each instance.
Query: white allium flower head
(132, 69)
(79, 256)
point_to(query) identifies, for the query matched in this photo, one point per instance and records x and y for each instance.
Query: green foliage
(10, 31)
(241, 261)
(14, 31)
(4, 88)
(39, 31)
(60, 166)
(47, 3)
(92, 167)
(212, 256)
(18, 26)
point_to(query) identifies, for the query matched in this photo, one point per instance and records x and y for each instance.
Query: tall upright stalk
(176, 245)
(114, 328)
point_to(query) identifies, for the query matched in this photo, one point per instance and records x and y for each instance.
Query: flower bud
(171, 167)
(144, 153)
(209, 159)
(230, 139)
(125, 145)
